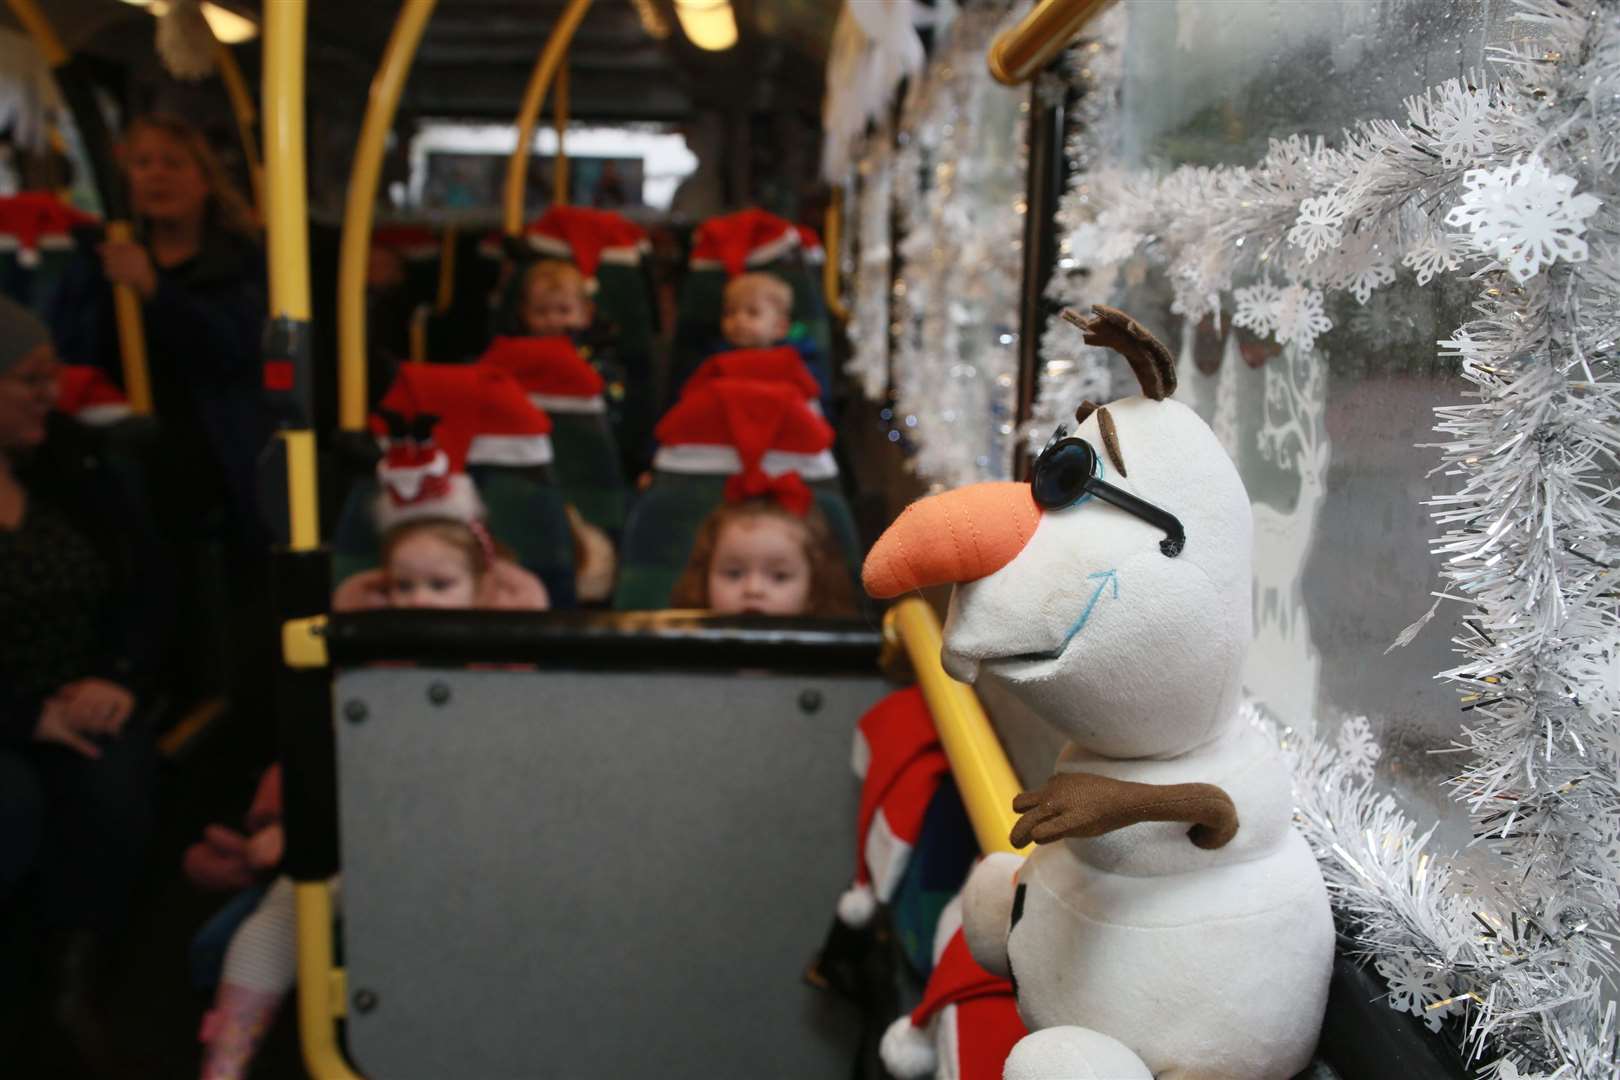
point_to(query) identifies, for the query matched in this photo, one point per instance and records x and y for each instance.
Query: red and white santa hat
(810, 244)
(35, 221)
(87, 394)
(412, 242)
(744, 426)
(738, 242)
(967, 1022)
(588, 237)
(421, 476)
(551, 371)
(898, 758)
(484, 412)
(780, 363)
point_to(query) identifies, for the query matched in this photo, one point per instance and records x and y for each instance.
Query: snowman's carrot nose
(962, 535)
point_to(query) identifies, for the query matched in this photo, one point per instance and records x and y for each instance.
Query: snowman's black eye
(1062, 473)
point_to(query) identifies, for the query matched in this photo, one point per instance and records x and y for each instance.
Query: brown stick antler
(1111, 328)
(1078, 804)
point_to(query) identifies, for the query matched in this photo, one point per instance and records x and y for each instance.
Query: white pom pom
(907, 1051)
(185, 43)
(857, 906)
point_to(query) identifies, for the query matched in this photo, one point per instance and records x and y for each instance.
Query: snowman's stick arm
(1080, 804)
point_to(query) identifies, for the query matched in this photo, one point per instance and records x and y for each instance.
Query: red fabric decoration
(544, 365)
(33, 215)
(468, 399)
(789, 490)
(732, 239)
(782, 363)
(587, 233)
(747, 414)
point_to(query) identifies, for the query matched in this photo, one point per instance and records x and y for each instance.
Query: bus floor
(151, 1007)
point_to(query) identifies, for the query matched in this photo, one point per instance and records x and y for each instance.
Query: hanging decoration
(870, 266)
(874, 46)
(1508, 178)
(185, 43)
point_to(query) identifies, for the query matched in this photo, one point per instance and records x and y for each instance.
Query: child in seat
(757, 313)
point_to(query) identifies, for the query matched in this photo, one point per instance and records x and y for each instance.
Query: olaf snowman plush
(1171, 923)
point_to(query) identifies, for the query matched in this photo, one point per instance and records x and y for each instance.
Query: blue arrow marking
(1103, 578)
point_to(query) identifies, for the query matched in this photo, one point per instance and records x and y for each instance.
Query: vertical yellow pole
(834, 241)
(230, 74)
(360, 207)
(545, 69)
(559, 120)
(126, 305)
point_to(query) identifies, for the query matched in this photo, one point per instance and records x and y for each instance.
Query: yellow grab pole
(559, 121)
(833, 239)
(230, 73)
(126, 304)
(321, 990)
(545, 70)
(1023, 50)
(979, 765)
(361, 205)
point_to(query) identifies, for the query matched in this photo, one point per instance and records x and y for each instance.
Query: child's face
(759, 567)
(427, 572)
(750, 321)
(549, 310)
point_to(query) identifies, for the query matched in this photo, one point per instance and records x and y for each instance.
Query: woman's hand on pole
(127, 263)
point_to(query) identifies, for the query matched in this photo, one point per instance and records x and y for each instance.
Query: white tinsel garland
(870, 268)
(1511, 180)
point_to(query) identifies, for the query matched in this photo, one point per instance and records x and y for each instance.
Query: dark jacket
(203, 328)
(71, 474)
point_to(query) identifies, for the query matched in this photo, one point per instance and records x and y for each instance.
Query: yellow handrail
(126, 304)
(833, 240)
(361, 206)
(230, 73)
(559, 121)
(1019, 53)
(979, 765)
(545, 70)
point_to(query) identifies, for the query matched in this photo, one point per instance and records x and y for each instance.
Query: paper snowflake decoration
(1458, 118)
(1104, 241)
(1257, 308)
(1320, 225)
(1358, 748)
(1415, 987)
(1434, 254)
(1364, 279)
(1301, 318)
(1524, 215)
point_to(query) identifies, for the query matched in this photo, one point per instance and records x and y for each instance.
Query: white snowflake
(1525, 215)
(1374, 275)
(1257, 308)
(1320, 225)
(1415, 986)
(1300, 316)
(1434, 254)
(1458, 116)
(1105, 240)
(1358, 748)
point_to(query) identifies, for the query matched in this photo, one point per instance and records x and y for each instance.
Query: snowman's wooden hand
(1079, 804)
(1111, 328)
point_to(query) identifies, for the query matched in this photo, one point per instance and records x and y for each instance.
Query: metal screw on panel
(365, 1000)
(439, 692)
(810, 701)
(354, 710)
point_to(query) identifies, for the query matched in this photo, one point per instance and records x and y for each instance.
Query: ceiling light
(708, 24)
(229, 28)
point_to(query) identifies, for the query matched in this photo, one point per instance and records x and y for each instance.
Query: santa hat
(485, 417)
(974, 1016)
(781, 363)
(744, 426)
(588, 237)
(900, 763)
(421, 477)
(36, 221)
(85, 393)
(810, 244)
(551, 371)
(748, 238)
(407, 241)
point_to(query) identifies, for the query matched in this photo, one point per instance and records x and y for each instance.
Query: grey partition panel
(578, 875)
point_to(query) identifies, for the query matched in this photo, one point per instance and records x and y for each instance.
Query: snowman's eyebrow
(1110, 438)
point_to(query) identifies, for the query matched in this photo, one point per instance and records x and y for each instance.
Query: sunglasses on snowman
(1069, 471)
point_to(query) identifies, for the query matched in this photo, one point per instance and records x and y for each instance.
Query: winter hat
(86, 394)
(738, 241)
(782, 363)
(900, 763)
(810, 244)
(550, 370)
(975, 1019)
(411, 242)
(733, 425)
(588, 237)
(37, 220)
(420, 476)
(485, 417)
(21, 332)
